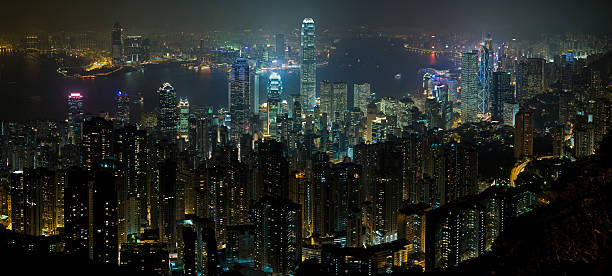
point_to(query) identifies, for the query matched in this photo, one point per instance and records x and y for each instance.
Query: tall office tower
(97, 142)
(136, 49)
(446, 107)
(484, 75)
(280, 47)
(256, 95)
(168, 204)
(277, 235)
(308, 65)
(502, 93)
(103, 212)
(273, 171)
(117, 44)
(123, 108)
(432, 112)
(275, 88)
(523, 134)
(361, 96)
(326, 98)
(183, 127)
(453, 93)
(240, 99)
(530, 79)
(167, 116)
(334, 101)
(340, 102)
(469, 87)
(75, 118)
(76, 212)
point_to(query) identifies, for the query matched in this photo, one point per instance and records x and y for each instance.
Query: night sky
(510, 16)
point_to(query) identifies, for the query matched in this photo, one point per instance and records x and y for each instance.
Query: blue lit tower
(469, 87)
(75, 118)
(308, 66)
(275, 88)
(167, 116)
(484, 75)
(240, 102)
(116, 43)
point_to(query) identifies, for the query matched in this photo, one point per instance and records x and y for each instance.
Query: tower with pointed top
(308, 65)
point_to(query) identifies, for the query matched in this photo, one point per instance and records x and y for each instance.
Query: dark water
(30, 87)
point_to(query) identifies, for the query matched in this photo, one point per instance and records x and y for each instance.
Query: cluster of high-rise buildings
(368, 186)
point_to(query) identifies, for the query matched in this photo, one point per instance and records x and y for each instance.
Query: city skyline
(311, 150)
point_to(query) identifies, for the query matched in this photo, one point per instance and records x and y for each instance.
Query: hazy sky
(193, 15)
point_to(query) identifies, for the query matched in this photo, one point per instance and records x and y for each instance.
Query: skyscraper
(75, 118)
(469, 87)
(340, 100)
(484, 75)
(361, 96)
(523, 134)
(116, 43)
(136, 49)
(530, 79)
(308, 65)
(167, 118)
(502, 93)
(275, 88)
(123, 108)
(97, 142)
(240, 99)
(183, 128)
(326, 97)
(277, 235)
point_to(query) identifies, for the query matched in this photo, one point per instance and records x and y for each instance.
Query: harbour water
(31, 88)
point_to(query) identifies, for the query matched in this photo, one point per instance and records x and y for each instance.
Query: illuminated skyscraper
(523, 134)
(136, 49)
(469, 87)
(308, 65)
(75, 118)
(97, 142)
(530, 79)
(361, 96)
(240, 99)
(167, 118)
(123, 108)
(183, 128)
(117, 44)
(340, 100)
(484, 75)
(275, 88)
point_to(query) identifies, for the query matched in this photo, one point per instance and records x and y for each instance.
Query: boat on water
(398, 76)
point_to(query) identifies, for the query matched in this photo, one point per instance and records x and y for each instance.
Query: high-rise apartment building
(469, 87)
